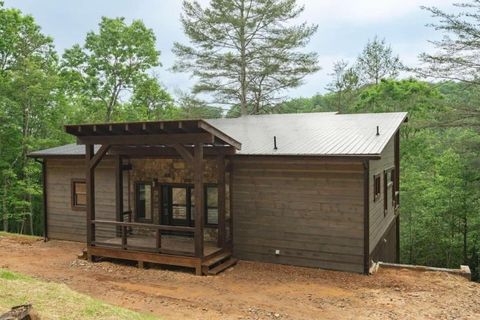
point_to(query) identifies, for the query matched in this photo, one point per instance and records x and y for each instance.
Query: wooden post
(397, 189)
(90, 185)
(221, 200)
(199, 199)
(45, 210)
(119, 191)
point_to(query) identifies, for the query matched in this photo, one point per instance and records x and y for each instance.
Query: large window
(143, 201)
(79, 194)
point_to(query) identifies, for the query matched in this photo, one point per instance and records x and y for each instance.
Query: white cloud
(365, 11)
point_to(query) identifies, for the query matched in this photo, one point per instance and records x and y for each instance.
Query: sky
(344, 27)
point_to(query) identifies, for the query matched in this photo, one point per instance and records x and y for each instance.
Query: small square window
(79, 194)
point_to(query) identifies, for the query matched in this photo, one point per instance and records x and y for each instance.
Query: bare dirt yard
(249, 290)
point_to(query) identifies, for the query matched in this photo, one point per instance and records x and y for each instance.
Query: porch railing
(157, 228)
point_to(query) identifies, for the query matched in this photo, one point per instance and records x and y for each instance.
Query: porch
(160, 216)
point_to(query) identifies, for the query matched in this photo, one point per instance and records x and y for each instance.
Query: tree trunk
(243, 63)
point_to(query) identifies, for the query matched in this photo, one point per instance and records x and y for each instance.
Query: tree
(191, 107)
(150, 101)
(456, 56)
(244, 52)
(345, 82)
(377, 62)
(28, 108)
(111, 61)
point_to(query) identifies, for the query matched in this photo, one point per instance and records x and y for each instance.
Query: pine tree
(244, 52)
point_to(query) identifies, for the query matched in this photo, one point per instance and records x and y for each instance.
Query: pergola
(192, 140)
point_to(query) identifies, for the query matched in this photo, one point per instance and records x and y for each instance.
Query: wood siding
(380, 220)
(65, 223)
(309, 209)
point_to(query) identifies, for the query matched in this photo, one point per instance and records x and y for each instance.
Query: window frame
(135, 197)
(377, 195)
(394, 186)
(205, 190)
(73, 191)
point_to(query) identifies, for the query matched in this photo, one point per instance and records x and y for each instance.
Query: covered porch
(171, 195)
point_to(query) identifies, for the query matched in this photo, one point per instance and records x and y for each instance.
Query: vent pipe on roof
(378, 130)
(275, 143)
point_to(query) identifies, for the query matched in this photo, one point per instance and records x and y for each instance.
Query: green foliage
(30, 111)
(112, 61)
(345, 84)
(191, 107)
(456, 57)
(377, 62)
(245, 52)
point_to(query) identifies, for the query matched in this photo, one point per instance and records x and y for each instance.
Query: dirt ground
(249, 290)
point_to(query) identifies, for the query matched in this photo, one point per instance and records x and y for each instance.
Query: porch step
(216, 259)
(223, 266)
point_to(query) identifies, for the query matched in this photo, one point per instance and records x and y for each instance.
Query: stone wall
(168, 171)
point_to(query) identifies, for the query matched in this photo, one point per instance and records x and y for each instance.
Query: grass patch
(56, 301)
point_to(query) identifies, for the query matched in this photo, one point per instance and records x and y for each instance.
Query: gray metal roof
(320, 134)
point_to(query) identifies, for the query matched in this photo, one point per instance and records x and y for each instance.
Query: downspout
(44, 187)
(366, 217)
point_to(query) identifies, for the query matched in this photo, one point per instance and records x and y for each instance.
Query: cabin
(317, 190)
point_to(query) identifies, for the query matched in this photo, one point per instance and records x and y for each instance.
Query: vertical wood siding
(65, 223)
(309, 209)
(379, 221)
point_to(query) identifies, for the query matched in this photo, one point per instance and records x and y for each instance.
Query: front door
(178, 205)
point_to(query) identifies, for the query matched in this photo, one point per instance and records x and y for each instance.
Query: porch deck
(185, 245)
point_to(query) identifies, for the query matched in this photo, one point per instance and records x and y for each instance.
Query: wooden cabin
(318, 190)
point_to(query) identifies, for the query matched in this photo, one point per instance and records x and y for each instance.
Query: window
(385, 191)
(392, 179)
(143, 201)
(376, 187)
(211, 205)
(79, 194)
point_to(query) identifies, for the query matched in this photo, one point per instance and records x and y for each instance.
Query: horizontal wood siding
(65, 223)
(379, 221)
(309, 209)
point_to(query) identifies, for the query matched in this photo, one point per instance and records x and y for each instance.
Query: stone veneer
(167, 171)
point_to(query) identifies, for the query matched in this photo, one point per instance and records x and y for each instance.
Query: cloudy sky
(344, 28)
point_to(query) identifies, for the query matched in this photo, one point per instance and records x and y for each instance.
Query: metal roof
(312, 134)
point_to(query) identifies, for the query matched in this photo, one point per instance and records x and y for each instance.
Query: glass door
(178, 205)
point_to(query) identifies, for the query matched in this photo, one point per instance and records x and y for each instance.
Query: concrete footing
(464, 271)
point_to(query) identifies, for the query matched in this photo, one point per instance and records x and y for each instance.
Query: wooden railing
(158, 228)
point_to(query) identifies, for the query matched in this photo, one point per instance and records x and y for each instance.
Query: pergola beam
(154, 151)
(148, 139)
(99, 155)
(186, 155)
